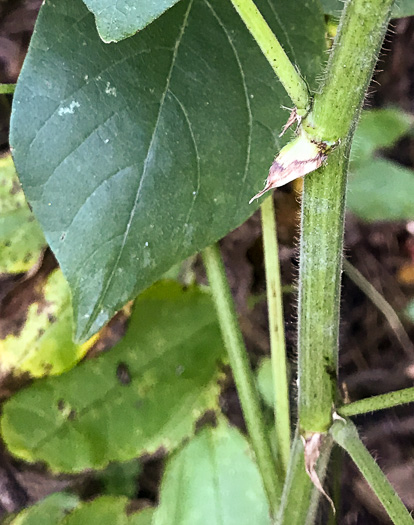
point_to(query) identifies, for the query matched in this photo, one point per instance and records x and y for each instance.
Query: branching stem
(370, 404)
(286, 72)
(300, 497)
(345, 434)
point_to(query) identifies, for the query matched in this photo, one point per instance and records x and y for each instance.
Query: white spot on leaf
(69, 110)
(109, 90)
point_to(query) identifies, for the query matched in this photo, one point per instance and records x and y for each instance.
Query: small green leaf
(265, 381)
(49, 511)
(44, 346)
(120, 479)
(142, 153)
(379, 128)
(403, 8)
(409, 311)
(213, 480)
(21, 239)
(146, 393)
(381, 190)
(120, 19)
(108, 510)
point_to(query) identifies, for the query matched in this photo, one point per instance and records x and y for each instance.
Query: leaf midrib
(99, 304)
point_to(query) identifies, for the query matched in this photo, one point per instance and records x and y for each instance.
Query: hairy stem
(360, 34)
(300, 497)
(322, 223)
(346, 435)
(242, 373)
(277, 332)
(333, 118)
(286, 72)
(370, 404)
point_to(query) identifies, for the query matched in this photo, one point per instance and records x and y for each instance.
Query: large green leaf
(107, 510)
(119, 19)
(64, 509)
(139, 154)
(49, 511)
(381, 190)
(145, 393)
(21, 239)
(401, 8)
(213, 480)
(43, 345)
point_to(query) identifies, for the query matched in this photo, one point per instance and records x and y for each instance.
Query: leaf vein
(246, 95)
(100, 302)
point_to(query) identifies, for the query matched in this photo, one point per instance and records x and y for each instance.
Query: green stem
(384, 306)
(242, 373)
(360, 34)
(300, 498)
(7, 89)
(322, 222)
(370, 404)
(277, 332)
(346, 435)
(334, 115)
(288, 75)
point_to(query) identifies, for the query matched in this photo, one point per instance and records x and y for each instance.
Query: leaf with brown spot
(145, 393)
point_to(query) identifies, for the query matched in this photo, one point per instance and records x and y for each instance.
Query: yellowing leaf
(146, 393)
(44, 345)
(21, 239)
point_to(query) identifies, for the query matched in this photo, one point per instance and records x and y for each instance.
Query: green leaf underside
(141, 153)
(120, 19)
(49, 511)
(146, 393)
(213, 480)
(21, 239)
(108, 510)
(401, 8)
(381, 190)
(44, 344)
